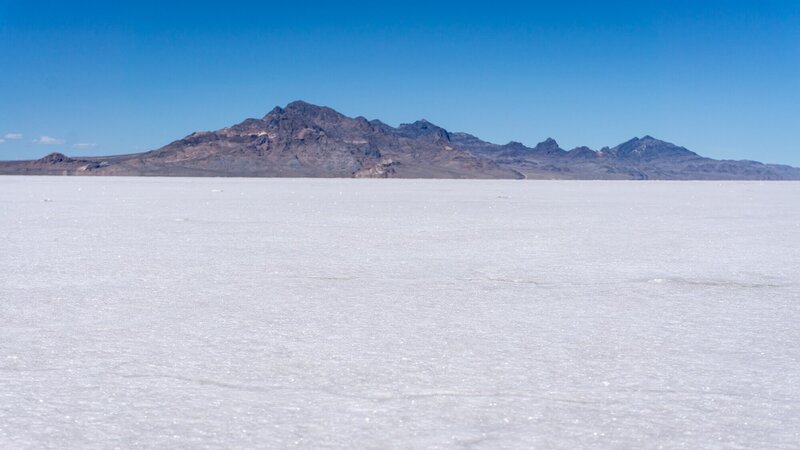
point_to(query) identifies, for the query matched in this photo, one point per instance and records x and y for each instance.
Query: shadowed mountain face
(304, 140)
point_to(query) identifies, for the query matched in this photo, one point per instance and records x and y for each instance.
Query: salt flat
(274, 313)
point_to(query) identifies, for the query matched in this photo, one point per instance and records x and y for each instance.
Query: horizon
(92, 79)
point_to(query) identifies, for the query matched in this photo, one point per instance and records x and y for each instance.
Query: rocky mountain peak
(300, 108)
(303, 110)
(423, 128)
(548, 146)
(648, 148)
(55, 158)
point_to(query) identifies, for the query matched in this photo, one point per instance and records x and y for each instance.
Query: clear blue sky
(719, 77)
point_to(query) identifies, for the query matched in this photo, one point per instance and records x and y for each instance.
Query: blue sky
(721, 78)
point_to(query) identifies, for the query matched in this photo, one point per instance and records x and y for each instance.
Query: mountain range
(305, 140)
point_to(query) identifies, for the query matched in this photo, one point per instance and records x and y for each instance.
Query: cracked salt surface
(236, 313)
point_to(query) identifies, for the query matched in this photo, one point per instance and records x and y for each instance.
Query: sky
(721, 78)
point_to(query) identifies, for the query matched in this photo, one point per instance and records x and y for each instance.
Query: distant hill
(304, 140)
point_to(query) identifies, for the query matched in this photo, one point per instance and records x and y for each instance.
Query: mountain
(304, 140)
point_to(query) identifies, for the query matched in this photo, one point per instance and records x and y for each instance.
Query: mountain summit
(305, 140)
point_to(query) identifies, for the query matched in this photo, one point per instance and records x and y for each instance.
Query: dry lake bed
(277, 313)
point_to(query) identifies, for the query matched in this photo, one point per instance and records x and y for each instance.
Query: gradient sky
(721, 78)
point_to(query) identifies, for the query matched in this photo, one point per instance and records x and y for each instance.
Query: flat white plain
(232, 313)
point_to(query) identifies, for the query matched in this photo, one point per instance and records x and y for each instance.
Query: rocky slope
(304, 140)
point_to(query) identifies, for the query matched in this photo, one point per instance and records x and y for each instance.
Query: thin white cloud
(47, 140)
(83, 146)
(10, 136)
(2, 140)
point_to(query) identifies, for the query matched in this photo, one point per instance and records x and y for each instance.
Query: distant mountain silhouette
(304, 140)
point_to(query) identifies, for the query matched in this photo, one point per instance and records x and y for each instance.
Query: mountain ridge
(306, 140)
